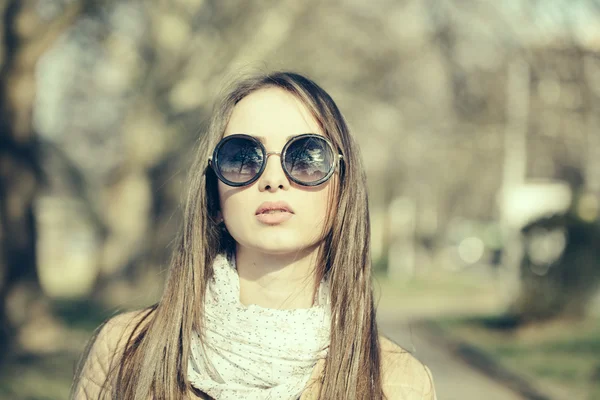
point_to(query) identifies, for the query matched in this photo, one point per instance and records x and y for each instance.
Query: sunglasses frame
(214, 159)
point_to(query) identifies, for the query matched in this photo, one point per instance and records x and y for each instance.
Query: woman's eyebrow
(262, 139)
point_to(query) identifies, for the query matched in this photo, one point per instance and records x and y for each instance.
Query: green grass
(563, 357)
(39, 378)
(438, 293)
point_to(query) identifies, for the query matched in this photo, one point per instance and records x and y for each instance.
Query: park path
(453, 378)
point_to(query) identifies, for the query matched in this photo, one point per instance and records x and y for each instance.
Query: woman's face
(273, 116)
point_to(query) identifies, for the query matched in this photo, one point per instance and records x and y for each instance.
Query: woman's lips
(273, 213)
(274, 217)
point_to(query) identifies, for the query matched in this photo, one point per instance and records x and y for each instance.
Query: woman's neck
(279, 281)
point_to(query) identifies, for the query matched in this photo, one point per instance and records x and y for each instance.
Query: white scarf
(254, 352)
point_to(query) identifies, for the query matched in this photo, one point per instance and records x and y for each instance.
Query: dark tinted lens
(239, 160)
(309, 159)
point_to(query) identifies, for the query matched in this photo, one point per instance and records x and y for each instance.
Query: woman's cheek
(237, 213)
(318, 213)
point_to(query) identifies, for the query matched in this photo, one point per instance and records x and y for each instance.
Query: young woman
(269, 294)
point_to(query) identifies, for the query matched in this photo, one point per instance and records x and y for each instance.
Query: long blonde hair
(154, 362)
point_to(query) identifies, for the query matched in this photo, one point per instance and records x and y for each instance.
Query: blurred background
(478, 122)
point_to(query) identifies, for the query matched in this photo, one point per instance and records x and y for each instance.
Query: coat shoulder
(403, 376)
(117, 330)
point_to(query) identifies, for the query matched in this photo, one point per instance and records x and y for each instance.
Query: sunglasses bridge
(267, 154)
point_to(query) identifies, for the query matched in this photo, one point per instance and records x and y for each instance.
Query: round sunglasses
(308, 159)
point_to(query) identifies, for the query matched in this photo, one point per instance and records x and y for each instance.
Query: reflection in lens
(239, 160)
(309, 159)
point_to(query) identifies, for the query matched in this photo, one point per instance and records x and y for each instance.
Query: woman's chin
(277, 244)
(279, 248)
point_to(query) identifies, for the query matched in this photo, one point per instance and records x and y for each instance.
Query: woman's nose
(273, 177)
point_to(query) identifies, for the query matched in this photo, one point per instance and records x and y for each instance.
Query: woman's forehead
(271, 115)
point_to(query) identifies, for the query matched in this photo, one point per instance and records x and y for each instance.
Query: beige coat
(404, 377)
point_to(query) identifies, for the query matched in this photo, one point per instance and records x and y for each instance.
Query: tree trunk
(25, 38)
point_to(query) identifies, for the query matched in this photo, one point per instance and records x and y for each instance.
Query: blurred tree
(27, 31)
(559, 269)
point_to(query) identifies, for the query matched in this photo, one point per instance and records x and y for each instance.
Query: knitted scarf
(252, 352)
